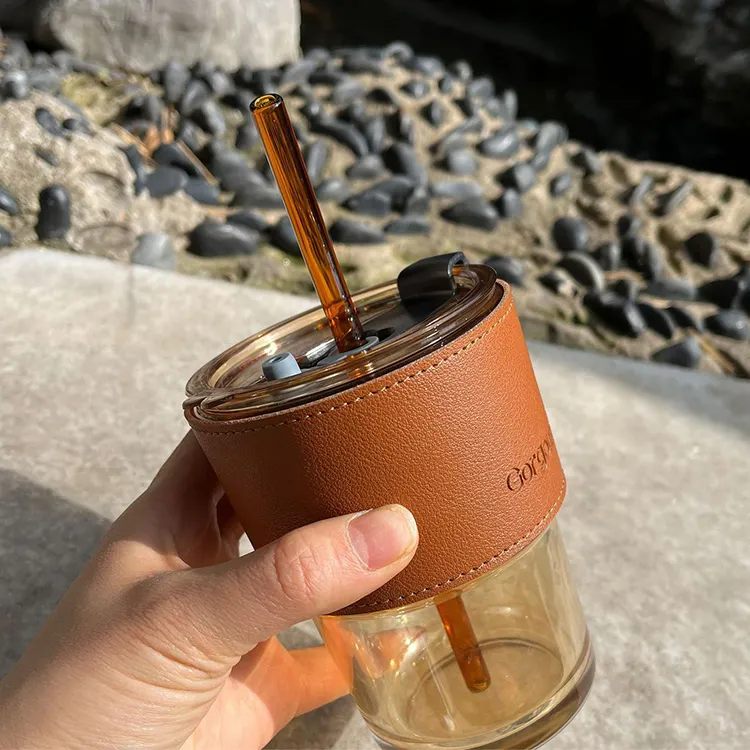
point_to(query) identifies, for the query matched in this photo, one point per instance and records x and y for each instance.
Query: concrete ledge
(95, 357)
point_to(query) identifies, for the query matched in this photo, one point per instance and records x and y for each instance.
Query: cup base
(530, 732)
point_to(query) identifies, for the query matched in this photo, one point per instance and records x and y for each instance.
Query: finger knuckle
(300, 567)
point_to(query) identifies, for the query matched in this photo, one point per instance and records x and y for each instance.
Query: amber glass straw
(284, 156)
(464, 644)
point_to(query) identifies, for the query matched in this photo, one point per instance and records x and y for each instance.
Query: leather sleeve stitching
(369, 394)
(475, 569)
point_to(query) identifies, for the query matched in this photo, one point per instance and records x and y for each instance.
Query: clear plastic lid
(232, 385)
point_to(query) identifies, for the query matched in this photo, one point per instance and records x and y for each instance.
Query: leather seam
(476, 568)
(369, 394)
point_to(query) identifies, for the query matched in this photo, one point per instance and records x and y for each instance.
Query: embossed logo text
(537, 464)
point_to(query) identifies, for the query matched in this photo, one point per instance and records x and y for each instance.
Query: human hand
(166, 640)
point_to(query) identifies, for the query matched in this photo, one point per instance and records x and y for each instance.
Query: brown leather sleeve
(459, 437)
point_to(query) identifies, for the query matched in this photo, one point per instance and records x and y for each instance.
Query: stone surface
(143, 36)
(660, 579)
(106, 215)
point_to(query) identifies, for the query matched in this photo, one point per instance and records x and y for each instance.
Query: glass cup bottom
(536, 659)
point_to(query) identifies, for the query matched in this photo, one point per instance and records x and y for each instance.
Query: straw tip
(265, 101)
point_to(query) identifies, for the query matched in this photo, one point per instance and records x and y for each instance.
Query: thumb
(226, 610)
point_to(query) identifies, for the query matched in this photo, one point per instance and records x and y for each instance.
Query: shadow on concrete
(713, 398)
(317, 731)
(44, 542)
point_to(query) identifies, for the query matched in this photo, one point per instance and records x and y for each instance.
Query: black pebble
(732, 324)
(584, 269)
(509, 204)
(247, 136)
(349, 231)
(47, 120)
(481, 88)
(417, 202)
(47, 156)
(343, 132)
(313, 110)
(327, 77)
(347, 91)
(470, 106)
(560, 184)
(540, 160)
(189, 134)
(316, 156)
(627, 225)
(355, 113)
(434, 113)
(399, 51)
(383, 96)
(620, 315)
(529, 125)
(229, 166)
(510, 104)
(239, 99)
(625, 288)
(406, 129)
(507, 268)
(369, 203)
(657, 320)
(45, 79)
(298, 71)
(375, 131)
(427, 66)
(588, 161)
(175, 78)
(569, 233)
(557, 282)
(251, 219)
(402, 159)
(450, 142)
(16, 85)
(201, 191)
(416, 88)
(642, 256)
(608, 255)
(702, 248)
(210, 118)
(398, 188)
(672, 289)
(213, 240)
(472, 212)
(361, 63)
(6, 238)
(411, 224)
(165, 181)
(501, 145)
(670, 202)
(253, 195)
(333, 189)
(460, 162)
(455, 189)
(462, 70)
(724, 293)
(367, 168)
(447, 84)
(638, 192)
(171, 155)
(549, 135)
(53, 221)
(8, 202)
(139, 168)
(520, 177)
(283, 237)
(494, 107)
(685, 318)
(76, 125)
(145, 107)
(686, 353)
(195, 95)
